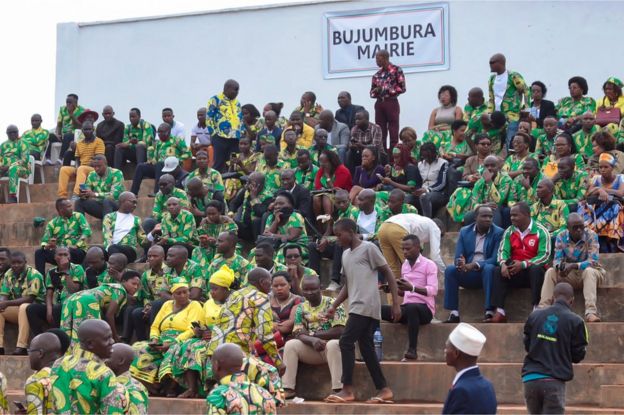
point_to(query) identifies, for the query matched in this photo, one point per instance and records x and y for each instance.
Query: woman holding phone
(173, 324)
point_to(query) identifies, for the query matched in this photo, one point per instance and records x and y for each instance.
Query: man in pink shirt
(418, 286)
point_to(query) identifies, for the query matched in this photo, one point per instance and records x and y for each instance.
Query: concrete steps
(198, 406)
(430, 381)
(420, 382)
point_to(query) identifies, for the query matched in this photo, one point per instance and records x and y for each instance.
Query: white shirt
(123, 226)
(426, 230)
(203, 137)
(367, 222)
(178, 131)
(461, 372)
(500, 86)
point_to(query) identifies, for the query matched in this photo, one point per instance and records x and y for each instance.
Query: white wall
(276, 54)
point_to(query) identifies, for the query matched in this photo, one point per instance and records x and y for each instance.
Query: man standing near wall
(387, 84)
(224, 121)
(508, 93)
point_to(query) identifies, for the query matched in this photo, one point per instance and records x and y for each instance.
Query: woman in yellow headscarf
(172, 325)
(184, 362)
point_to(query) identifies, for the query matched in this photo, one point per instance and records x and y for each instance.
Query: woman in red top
(332, 175)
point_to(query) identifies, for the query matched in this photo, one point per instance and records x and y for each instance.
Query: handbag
(605, 116)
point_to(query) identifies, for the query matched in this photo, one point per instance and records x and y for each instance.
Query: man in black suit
(303, 200)
(347, 111)
(471, 393)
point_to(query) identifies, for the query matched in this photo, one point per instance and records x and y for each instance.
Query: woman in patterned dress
(286, 225)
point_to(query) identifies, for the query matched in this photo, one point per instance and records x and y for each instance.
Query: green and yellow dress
(190, 354)
(85, 305)
(169, 327)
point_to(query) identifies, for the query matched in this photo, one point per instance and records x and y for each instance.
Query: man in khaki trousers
(21, 286)
(315, 338)
(576, 262)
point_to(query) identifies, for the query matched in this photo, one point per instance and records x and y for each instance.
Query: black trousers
(37, 317)
(96, 208)
(128, 251)
(360, 329)
(545, 396)
(43, 256)
(223, 147)
(65, 143)
(414, 315)
(52, 138)
(143, 170)
(134, 324)
(532, 277)
(332, 251)
(138, 156)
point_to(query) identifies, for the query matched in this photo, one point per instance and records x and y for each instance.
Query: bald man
(247, 314)
(111, 130)
(94, 386)
(548, 211)
(554, 338)
(507, 93)
(152, 281)
(43, 352)
(473, 109)
(225, 120)
(101, 190)
(241, 395)
(576, 261)
(119, 362)
(14, 160)
(122, 231)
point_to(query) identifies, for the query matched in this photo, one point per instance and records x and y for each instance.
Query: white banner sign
(416, 36)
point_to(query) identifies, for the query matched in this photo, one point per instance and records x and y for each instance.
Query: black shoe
(20, 351)
(1, 351)
(151, 195)
(452, 318)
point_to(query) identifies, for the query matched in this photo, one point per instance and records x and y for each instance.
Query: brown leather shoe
(498, 318)
(592, 318)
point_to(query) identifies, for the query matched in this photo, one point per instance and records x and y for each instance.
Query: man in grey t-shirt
(361, 261)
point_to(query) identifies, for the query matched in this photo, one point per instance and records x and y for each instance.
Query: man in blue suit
(475, 261)
(471, 393)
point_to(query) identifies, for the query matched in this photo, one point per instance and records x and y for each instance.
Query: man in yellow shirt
(36, 137)
(85, 150)
(305, 133)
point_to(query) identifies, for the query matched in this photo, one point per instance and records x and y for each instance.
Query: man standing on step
(470, 393)
(554, 338)
(361, 262)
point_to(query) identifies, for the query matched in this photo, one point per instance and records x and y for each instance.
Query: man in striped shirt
(524, 250)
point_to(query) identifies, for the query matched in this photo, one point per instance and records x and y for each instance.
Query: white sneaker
(48, 162)
(333, 286)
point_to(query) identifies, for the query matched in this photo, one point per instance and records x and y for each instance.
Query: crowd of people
(245, 211)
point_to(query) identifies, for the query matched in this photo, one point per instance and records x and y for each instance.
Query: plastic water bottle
(378, 340)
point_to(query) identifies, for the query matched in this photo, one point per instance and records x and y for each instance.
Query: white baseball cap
(467, 339)
(170, 164)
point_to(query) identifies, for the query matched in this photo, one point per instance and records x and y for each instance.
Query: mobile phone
(20, 406)
(509, 262)
(233, 156)
(379, 176)
(83, 187)
(195, 324)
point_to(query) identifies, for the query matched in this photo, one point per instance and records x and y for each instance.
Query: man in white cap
(172, 166)
(471, 393)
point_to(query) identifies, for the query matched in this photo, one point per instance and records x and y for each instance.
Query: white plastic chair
(27, 181)
(39, 163)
